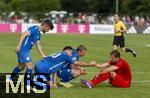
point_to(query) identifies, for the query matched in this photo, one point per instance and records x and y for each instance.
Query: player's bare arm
(39, 48)
(102, 65)
(22, 37)
(84, 64)
(82, 70)
(55, 79)
(109, 69)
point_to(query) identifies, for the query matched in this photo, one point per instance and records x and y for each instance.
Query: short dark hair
(116, 53)
(81, 48)
(67, 47)
(49, 23)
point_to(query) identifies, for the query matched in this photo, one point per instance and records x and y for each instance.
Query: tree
(42, 5)
(133, 7)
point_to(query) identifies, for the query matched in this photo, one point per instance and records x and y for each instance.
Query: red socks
(99, 78)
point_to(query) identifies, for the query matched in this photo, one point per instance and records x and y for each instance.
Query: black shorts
(119, 40)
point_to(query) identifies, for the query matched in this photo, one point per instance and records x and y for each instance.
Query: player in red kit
(117, 71)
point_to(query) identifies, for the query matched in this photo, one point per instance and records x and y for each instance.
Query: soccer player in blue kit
(55, 62)
(70, 71)
(27, 40)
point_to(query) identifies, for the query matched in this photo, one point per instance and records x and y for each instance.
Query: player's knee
(21, 66)
(113, 74)
(114, 47)
(76, 73)
(83, 72)
(29, 65)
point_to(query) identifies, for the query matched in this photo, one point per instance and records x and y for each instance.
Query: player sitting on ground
(55, 62)
(117, 71)
(69, 72)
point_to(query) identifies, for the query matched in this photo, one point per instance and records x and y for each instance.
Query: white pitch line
(147, 45)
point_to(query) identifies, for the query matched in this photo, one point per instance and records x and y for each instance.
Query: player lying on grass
(55, 62)
(119, 39)
(117, 71)
(69, 72)
(31, 37)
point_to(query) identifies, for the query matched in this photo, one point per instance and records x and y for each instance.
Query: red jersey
(123, 69)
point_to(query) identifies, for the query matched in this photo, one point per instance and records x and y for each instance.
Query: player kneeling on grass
(117, 71)
(55, 62)
(70, 72)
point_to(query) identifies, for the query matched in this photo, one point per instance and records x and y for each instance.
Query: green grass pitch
(99, 47)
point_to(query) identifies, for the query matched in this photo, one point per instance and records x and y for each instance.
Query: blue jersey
(74, 57)
(57, 61)
(29, 41)
(65, 73)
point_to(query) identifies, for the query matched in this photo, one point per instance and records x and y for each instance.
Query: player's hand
(84, 72)
(17, 49)
(44, 56)
(93, 63)
(103, 72)
(54, 86)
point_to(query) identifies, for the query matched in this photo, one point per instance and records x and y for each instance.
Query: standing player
(27, 40)
(55, 62)
(117, 71)
(69, 72)
(120, 29)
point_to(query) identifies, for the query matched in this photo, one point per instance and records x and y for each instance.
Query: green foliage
(42, 6)
(131, 7)
(140, 7)
(29, 5)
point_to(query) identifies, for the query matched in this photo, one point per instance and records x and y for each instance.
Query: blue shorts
(45, 67)
(24, 57)
(65, 74)
(41, 68)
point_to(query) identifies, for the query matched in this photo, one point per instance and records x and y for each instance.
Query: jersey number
(56, 55)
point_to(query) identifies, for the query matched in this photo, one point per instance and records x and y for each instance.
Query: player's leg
(122, 46)
(65, 75)
(19, 67)
(28, 72)
(68, 74)
(53, 80)
(78, 72)
(16, 70)
(115, 43)
(98, 78)
(117, 81)
(40, 68)
(25, 58)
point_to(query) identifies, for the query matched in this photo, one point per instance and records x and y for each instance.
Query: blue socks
(14, 73)
(27, 78)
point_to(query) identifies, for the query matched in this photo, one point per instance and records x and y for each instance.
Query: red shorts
(120, 82)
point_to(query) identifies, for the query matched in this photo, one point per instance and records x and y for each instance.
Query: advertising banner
(101, 29)
(10, 28)
(73, 28)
